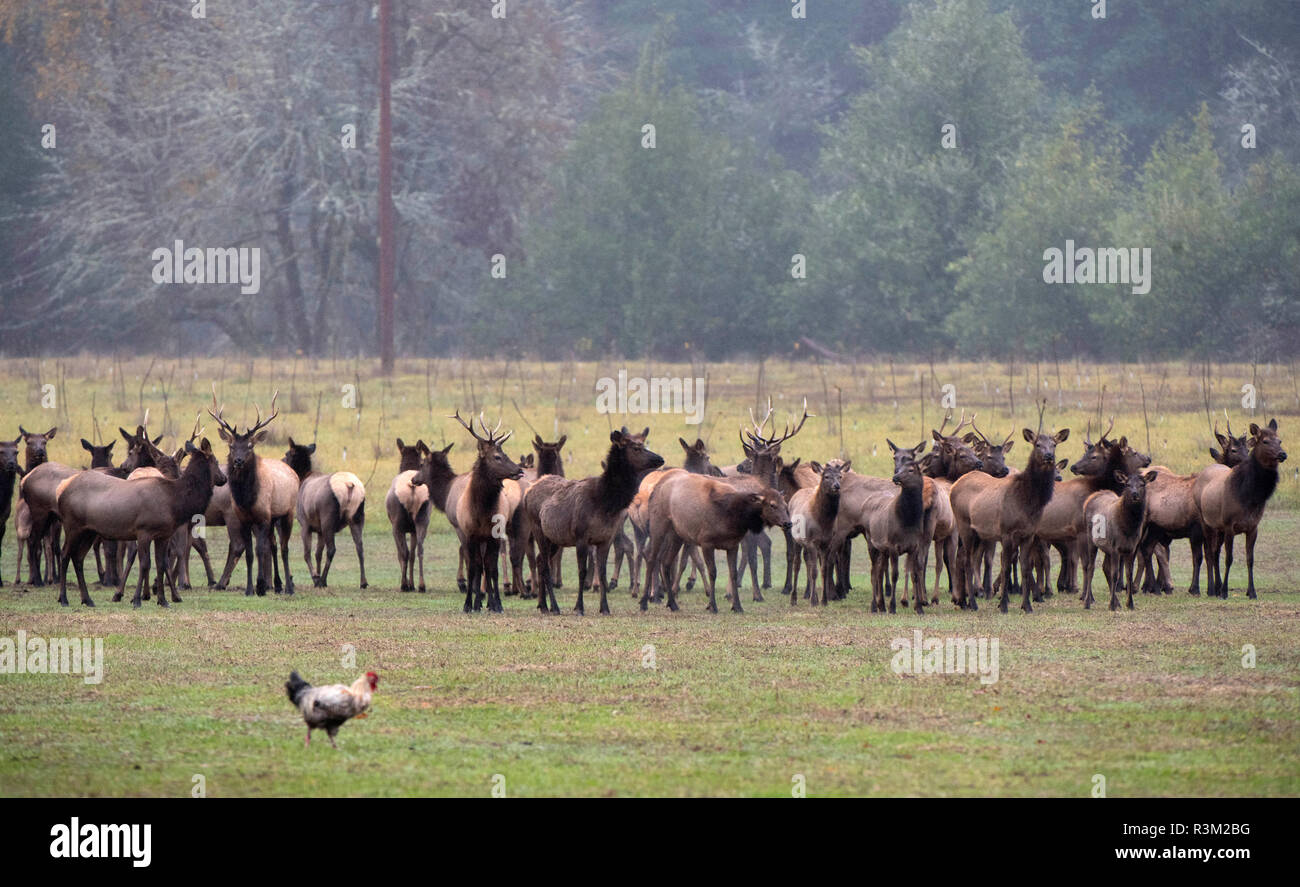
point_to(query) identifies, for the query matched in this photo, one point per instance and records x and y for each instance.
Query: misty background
(521, 137)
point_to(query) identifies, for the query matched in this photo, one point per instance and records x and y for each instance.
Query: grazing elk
(1004, 510)
(1232, 500)
(1113, 524)
(696, 461)
(326, 503)
(483, 511)
(264, 493)
(9, 471)
(710, 513)
(587, 513)
(813, 512)
(147, 511)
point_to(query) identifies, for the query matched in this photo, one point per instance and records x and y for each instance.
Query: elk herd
(960, 500)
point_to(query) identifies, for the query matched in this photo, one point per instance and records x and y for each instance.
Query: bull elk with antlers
(484, 505)
(264, 493)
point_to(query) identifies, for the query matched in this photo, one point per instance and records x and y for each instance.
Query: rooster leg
(330, 734)
(308, 742)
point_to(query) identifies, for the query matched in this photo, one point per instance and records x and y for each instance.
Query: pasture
(1157, 701)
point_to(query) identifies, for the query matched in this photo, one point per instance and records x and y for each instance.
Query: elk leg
(1108, 566)
(732, 585)
(75, 550)
(1197, 543)
(421, 529)
(879, 568)
(246, 532)
(163, 574)
(1251, 535)
(1089, 569)
(469, 552)
(584, 574)
(492, 567)
(1128, 566)
(403, 558)
(306, 555)
(329, 556)
(357, 526)
(142, 553)
(602, 553)
(711, 579)
(1227, 564)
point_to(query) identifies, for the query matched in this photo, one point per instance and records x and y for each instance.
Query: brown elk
(424, 477)
(1232, 500)
(264, 493)
(586, 513)
(813, 512)
(9, 471)
(147, 511)
(710, 513)
(1113, 524)
(41, 479)
(1172, 513)
(326, 503)
(483, 511)
(696, 461)
(897, 524)
(1004, 510)
(950, 458)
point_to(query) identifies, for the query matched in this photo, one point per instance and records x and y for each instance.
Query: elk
(41, 479)
(1004, 510)
(147, 511)
(586, 513)
(1232, 500)
(326, 503)
(1172, 513)
(813, 511)
(483, 510)
(899, 523)
(712, 514)
(696, 461)
(9, 471)
(1114, 523)
(763, 452)
(424, 476)
(264, 493)
(547, 460)
(950, 458)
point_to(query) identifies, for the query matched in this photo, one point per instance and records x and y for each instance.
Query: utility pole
(387, 238)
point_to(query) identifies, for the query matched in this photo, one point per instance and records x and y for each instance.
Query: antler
(1042, 408)
(226, 426)
(757, 434)
(788, 433)
(491, 435)
(964, 422)
(1102, 439)
(274, 412)
(197, 430)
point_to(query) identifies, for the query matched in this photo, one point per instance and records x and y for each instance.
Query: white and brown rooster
(327, 708)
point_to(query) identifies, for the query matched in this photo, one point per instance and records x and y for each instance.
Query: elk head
(1266, 446)
(298, 457)
(772, 510)
(241, 445)
(832, 473)
(548, 454)
(697, 457)
(634, 452)
(36, 443)
(1133, 487)
(204, 452)
(993, 457)
(761, 450)
(100, 456)
(1042, 458)
(491, 458)
(1235, 449)
(9, 457)
(906, 468)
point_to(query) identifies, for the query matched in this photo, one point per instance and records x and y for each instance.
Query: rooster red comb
(374, 678)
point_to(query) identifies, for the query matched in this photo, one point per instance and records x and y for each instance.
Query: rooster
(327, 708)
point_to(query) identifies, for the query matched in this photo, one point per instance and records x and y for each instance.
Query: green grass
(1156, 700)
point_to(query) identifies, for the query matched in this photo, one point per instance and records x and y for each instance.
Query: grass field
(1157, 700)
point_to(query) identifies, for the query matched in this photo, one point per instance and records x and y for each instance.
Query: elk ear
(1254, 430)
(1029, 435)
(126, 436)
(311, 448)
(816, 466)
(189, 448)
(937, 435)
(1223, 441)
(685, 445)
(23, 432)
(1121, 478)
(292, 445)
(1272, 424)
(1061, 465)
(848, 463)
(109, 448)
(559, 443)
(1215, 454)
(259, 437)
(795, 463)
(18, 439)
(157, 440)
(919, 448)
(892, 448)
(447, 449)
(1150, 476)
(85, 445)
(49, 435)
(1063, 435)
(1006, 447)
(400, 446)
(617, 436)
(225, 435)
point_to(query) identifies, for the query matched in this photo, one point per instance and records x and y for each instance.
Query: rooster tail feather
(295, 687)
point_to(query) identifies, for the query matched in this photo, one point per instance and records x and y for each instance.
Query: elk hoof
(176, 598)
(135, 604)
(1002, 607)
(672, 605)
(162, 600)
(117, 597)
(645, 604)
(88, 603)
(579, 610)
(711, 607)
